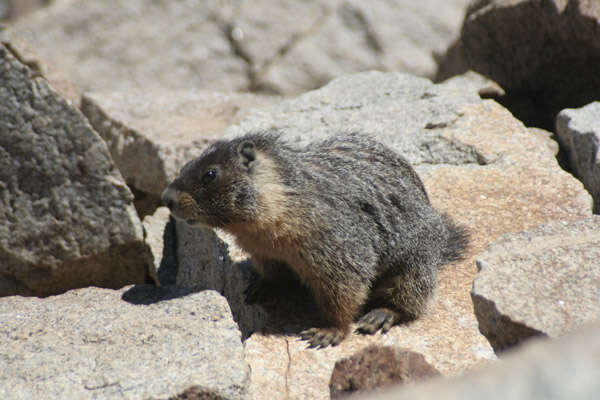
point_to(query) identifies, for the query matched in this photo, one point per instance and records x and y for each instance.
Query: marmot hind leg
(339, 305)
(398, 298)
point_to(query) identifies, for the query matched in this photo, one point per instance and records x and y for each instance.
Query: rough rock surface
(478, 163)
(544, 54)
(376, 367)
(578, 131)
(282, 47)
(66, 217)
(210, 260)
(115, 45)
(40, 66)
(159, 233)
(137, 343)
(546, 281)
(152, 135)
(14, 9)
(345, 37)
(563, 369)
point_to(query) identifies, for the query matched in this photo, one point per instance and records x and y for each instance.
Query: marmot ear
(247, 152)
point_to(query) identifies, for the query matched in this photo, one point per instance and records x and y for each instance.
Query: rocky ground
(103, 296)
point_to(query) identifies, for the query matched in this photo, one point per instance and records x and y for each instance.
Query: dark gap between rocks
(145, 203)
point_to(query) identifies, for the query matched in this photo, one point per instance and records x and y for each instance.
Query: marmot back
(348, 217)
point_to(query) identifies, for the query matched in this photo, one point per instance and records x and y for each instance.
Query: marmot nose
(169, 197)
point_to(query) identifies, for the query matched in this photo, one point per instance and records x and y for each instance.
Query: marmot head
(217, 188)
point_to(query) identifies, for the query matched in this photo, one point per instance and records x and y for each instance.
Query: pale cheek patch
(272, 201)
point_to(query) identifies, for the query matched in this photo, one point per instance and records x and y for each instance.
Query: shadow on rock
(150, 294)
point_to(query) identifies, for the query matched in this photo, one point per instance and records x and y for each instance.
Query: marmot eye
(209, 176)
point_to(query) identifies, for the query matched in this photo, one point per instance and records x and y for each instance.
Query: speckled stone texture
(14, 9)
(139, 342)
(578, 131)
(160, 235)
(563, 369)
(211, 260)
(542, 282)
(152, 135)
(66, 216)
(41, 66)
(283, 47)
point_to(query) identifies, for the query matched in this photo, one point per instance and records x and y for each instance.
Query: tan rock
(111, 45)
(152, 135)
(349, 36)
(563, 369)
(542, 282)
(41, 66)
(280, 47)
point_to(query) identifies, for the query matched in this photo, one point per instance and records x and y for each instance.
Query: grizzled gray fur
(347, 217)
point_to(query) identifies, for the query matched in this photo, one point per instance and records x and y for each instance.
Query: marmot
(347, 216)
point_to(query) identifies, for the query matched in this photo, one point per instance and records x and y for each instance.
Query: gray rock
(470, 80)
(578, 131)
(405, 112)
(5, 9)
(115, 45)
(563, 369)
(152, 135)
(542, 282)
(15, 9)
(41, 67)
(160, 235)
(544, 54)
(210, 260)
(136, 343)
(66, 216)
(351, 36)
(282, 47)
